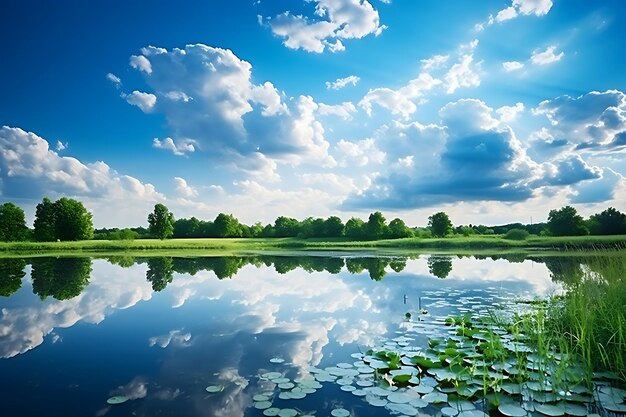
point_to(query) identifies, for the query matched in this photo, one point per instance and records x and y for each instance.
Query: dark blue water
(158, 331)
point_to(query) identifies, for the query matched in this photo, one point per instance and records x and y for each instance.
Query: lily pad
(118, 399)
(214, 388)
(271, 412)
(340, 412)
(262, 405)
(512, 410)
(287, 412)
(550, 410)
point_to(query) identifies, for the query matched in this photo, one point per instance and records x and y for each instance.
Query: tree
(72, 220)
(333, 227)
(609, 222)
(61, 278)
(376, 226)
(439, 266)
(398, 229)
(440, 224)
(11, 274)
(160, 272)
(286, 227)
(355, 228)
(161, 222)
(226, 225)
(12, 223)
(45, 221)
(566, 222)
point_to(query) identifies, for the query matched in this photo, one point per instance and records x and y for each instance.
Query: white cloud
(509, 113)
(340, 83)
(462, 74)
(145, 101)
(335, 20)
(141, 63)
(230, 118)
(401, 101)
(546, 57)
(506, 14)
(183, 189)
(434, 62)
(29, 169)
(359, 153)
(178, 148)
(61, 146)
(344, 110)
(114, 79)
(512, 66)
(519, 8)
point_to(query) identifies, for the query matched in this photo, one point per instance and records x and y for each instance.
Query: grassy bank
(233, 246)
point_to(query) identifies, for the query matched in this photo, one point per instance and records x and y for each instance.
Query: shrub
(516, 234)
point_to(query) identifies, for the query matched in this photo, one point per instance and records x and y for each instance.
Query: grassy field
(234, 246)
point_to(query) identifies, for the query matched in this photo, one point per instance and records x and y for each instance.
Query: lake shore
(225, 246)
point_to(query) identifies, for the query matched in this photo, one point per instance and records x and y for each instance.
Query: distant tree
(45, 221)
(12, 223)
(124, 234)
(516, 234)
(566, 222)
(609, 222)
(376, 226)
(161, 222)
(440, 224)
(333, 227)
(226, 225)
(355, 228)
(73, 221)
(286, 227)
(398, 229)
(11, 274)
(185, 228)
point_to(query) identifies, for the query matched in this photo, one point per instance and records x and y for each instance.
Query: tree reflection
(160, 272)
(61, 278)
(11, 274)
(439, 266)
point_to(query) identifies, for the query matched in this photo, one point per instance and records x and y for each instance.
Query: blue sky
(493, 111)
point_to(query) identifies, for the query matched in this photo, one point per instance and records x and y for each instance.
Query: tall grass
(589, 320)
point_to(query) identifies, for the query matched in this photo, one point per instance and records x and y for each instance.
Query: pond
(250, 336)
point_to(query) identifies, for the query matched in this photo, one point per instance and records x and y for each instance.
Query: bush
(516, 234)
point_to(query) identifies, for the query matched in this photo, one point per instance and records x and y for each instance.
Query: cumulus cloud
(176, 337)
(605, 188)
(340, 83)
(145, 101)
(462, 74)
(344, 110)
(359, 153)
(509, 113)
(434, 62)
(592, 121)
(61, 146)
(183, 189)
(471, 157)
(213, 107)
(569, 170)
(401, 101)
(510, 66)
(141, 63)
(546, 57)
(178, 148)
(521, 8)
(334, 21)
(114, 79)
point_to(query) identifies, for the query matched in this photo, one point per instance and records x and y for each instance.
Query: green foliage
(161, 222)
(566, 222)
(440, 224)
(439, 266)
(73, 221)
(608, 222)
(124, 234)
(355, 228)
(398, 229)
(66, 219)
(333, 227)
(376, 226)
(285, 227)
(11, 274)
(61, 278)
(516, 234)
(12, 223)
(226, 225)
(160, 272)
(45, 221)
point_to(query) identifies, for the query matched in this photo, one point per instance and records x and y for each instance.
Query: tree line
(67, 219)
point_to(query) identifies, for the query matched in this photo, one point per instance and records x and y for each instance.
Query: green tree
(61, 278)
(45, 221)
(12, 223)
(11, 274)
(609, 222)
(160, 272)
(187, 228)
(376, 227)
(566, 222)
(398, 229)
(161, 222)
(333, 227)
(439, 266)
(355, 228)
(72, 220)
(226, 225)
(286, 227)
(440, 224)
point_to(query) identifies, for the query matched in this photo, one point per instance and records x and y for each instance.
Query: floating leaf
(262, 405)
(340, 412)
(214, 388)
(118, 399)
(512, 410)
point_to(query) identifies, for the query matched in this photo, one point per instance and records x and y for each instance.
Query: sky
(492, 111)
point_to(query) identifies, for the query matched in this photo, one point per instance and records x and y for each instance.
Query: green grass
(227, 245)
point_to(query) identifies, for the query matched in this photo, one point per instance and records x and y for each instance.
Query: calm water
(75, 332)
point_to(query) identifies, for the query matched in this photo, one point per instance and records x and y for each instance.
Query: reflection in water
(440, 266)
(11, 274)
(61, 278)
(160, 272)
